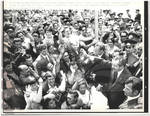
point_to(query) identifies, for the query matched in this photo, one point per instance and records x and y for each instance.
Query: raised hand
(72, 69)
(61, 49)
(27, 94)
(40, 81)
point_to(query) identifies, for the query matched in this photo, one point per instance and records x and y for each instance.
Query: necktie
(115, 76)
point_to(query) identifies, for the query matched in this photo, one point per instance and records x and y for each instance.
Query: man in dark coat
(119, 75)
(138, 16)
(106, 74)
(115, 92)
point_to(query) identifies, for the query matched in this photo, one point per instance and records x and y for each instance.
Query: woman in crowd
(54, 54)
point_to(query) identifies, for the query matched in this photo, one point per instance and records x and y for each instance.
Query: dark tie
(115, 76)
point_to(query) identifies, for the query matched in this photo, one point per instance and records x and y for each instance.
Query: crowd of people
(55, 59)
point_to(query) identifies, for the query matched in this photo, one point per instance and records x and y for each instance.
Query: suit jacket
(135, 103)
(45, 87)
(101, 68)
(138, 18)
(115, 92)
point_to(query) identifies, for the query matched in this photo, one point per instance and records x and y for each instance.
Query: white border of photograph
(77, 4)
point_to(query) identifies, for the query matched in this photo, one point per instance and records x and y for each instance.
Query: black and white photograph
(73, 59)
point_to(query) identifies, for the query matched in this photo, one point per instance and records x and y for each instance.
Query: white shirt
(111, 50)
(26, 43)
(48, 40)
(119, 72)
(73, 40)
(51, 89)
(85, 97)
(98, 100)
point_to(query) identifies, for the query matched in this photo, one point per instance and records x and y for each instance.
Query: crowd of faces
(51, 48)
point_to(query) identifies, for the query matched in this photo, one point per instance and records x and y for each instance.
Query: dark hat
(134, 34)
(46, 24)
(81, 22)
(131, 20)
(42, 47)
(61, 15)
(23, 19)
(113, 14)
(116, 19)
(137, 10)
(65, 19)
(92, 20)
(81, 27)
(132, 40)
(120, 14)
(104, 10)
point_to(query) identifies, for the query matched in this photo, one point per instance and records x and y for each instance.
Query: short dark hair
(27, 56)
(36, 33)
(137, 83)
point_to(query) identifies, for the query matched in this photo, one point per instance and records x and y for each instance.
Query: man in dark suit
(132, 90)
(138, 16)
(120, 74)
(106, 74)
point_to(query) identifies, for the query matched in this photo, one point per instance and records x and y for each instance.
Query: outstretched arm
(38, 96)
(62, 86)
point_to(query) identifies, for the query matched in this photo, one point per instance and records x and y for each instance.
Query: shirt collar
(119, 72)
(132, 98)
